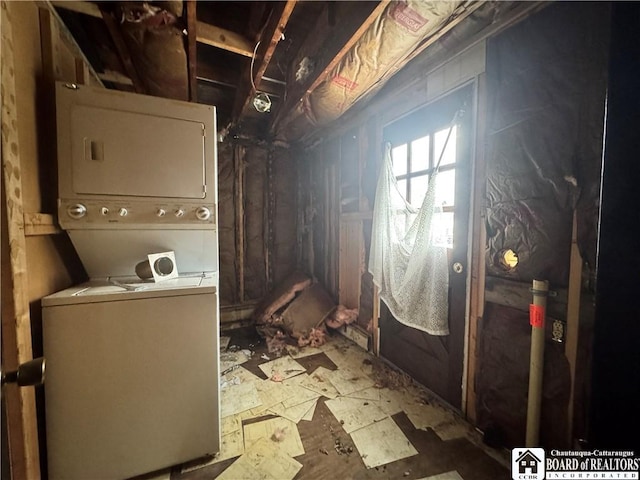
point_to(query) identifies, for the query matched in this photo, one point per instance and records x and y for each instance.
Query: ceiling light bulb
(262, 102)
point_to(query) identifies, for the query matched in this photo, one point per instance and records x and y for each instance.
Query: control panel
(92, 213)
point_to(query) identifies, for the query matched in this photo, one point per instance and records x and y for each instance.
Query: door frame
(474, 278)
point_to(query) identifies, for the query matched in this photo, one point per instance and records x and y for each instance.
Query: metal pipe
(536, 363)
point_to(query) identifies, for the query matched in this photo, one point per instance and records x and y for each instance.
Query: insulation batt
(399, 29)
(342, 316)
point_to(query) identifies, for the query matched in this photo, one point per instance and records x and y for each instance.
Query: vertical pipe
(536, 363)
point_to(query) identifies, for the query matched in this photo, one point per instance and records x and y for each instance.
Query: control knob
(104, 211)
(123, 212)
(179, 213)
(76, 211)
(203, 213)
(161, 212)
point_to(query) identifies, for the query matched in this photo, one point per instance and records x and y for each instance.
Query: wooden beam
(478, 235)
(192, 59)
(22, 425)
(328, 57)
(87, 8)
(224, 39)
(123, 50)
(40, 224)
(573, 320)
(53, 30)
(271, 35)
(516, 294)
(238, 160)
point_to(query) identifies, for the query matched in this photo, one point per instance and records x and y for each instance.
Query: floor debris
(319, 382)
(361, 394)
(282, 368)
(224, 343)
(238, 398)
(381, 443)
(230, 359)
(290, 444)
(262, 461)
(353, 414)
(347, 381)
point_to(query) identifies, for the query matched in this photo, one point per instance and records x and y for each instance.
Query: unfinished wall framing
(36, 260)
(258, 235)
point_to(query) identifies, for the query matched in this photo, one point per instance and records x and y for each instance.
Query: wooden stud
(478, 235)
(82, 72)
(22, 429)
(573, 320)
(224, 39)
(54, 30)
(269, 212)
(40, 224)
(123, 50)
(350, 262)
(192, 59)
(269, 40)
(238, 160)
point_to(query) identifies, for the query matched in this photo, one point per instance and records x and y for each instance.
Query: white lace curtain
(409, 268)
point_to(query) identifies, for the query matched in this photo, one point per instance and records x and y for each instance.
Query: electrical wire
(253, 58)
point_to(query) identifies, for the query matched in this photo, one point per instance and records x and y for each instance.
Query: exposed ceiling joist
(271, 35)
(123, 50)
(224, 39)
(327, 58)
(192, 60)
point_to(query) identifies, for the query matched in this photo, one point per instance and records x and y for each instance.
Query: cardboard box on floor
(307, 311)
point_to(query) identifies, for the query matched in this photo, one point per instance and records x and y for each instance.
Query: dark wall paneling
(255, 178)
(226, 224)
(547, 82)
(503, 378)
(285, 213)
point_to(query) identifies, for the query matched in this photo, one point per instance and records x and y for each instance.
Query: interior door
(417, 140)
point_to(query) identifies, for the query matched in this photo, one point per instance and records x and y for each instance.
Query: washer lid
(132, 288)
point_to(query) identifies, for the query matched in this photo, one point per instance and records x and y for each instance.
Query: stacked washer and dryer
(133, 363)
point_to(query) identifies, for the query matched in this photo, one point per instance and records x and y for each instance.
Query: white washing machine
(132, 376)
(132, 364)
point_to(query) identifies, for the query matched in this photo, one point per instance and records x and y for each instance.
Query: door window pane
(399, 159)
(446, 188)
(419, 189)
(402, 186)
(439, 139)
(420, 154)
(443, 229)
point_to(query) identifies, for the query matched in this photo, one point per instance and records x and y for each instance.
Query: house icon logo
(527, 464)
